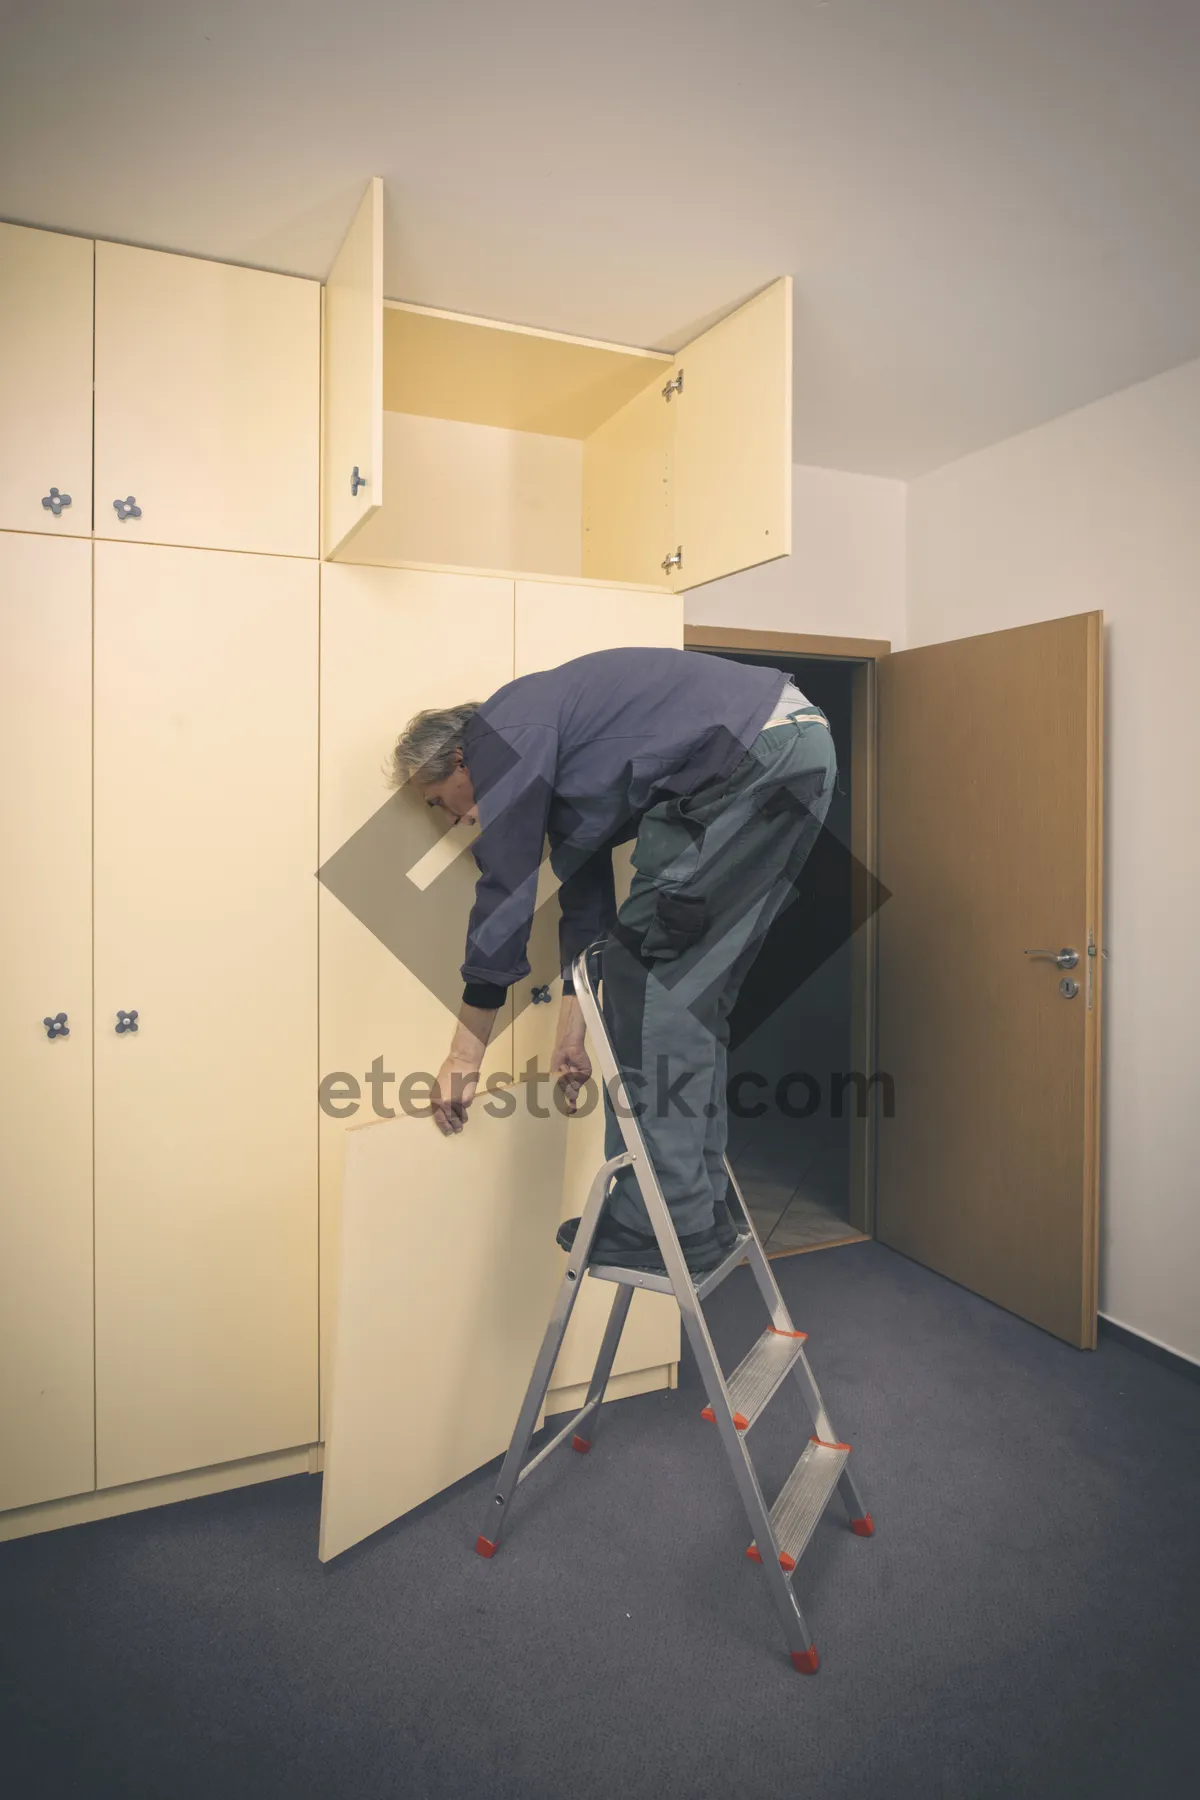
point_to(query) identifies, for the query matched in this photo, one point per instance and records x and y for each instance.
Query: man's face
(455, 794)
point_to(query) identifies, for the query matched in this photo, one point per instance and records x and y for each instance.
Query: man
(722, 772)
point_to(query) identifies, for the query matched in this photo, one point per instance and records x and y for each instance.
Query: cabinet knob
(54, 502)
(541, 996)
(57, 1026)
(356, 481)
(127, 1021)
(674, 561)
(127, 508)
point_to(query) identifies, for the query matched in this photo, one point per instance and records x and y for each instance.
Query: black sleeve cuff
(484, 994)
(568, 983)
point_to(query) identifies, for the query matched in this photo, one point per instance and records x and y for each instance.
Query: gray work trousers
(711, 872)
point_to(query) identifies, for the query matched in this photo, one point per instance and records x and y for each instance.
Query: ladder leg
(618, 1313)
(511, 1470)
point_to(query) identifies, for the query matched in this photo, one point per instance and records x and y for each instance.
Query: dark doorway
(790, 1032)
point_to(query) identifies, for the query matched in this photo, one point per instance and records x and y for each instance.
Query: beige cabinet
(555, 621)
(205, 926)
(207, 403)
(457, 441)
(396, 883)
(46, 1441)
(45, 382)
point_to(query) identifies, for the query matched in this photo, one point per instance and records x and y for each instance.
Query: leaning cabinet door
(352, 473)
(45, 382)
(733, 441)
(207, 403)
(205, 918)
(554, 622)
(45, 1081)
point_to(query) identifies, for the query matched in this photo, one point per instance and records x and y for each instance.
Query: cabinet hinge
(674, 560)
(673, 387)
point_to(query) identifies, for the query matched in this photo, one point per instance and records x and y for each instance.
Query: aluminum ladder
(735, 1401)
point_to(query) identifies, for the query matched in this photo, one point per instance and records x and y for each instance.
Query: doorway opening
(801, 1127)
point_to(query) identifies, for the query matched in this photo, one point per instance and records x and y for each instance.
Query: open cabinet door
(352, 469)
(733, 441)
(990, 847)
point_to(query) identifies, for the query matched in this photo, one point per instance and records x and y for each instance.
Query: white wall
(845, 576)
(1101, 508)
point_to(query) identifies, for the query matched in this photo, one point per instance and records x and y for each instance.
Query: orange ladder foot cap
(580, 1443)
(485, 1546)
(864, 1527)
(807, 1661)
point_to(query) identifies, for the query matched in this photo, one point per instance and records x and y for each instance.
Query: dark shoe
(620, 1247)
(726, 1230)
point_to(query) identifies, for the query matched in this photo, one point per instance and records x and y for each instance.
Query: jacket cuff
(568, 982)
(487, 995)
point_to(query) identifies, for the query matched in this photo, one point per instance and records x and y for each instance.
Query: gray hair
(426, 746)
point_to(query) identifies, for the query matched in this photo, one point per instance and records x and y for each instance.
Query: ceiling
(991, 207)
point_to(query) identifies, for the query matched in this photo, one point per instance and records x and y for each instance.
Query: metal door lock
(127, 508)
(57, 1026)
(54, 502)
(1066, 959)
(127, 1021)
(1068, 988)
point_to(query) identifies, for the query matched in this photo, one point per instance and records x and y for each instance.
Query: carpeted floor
(1023, 1624)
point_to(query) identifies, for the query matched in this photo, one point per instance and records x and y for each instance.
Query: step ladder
(780, 1532)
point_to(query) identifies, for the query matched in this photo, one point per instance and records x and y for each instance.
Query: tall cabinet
(195, 711)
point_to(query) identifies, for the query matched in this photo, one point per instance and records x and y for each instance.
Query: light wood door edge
(1093, 1029)
(864, 847)
(725, 637)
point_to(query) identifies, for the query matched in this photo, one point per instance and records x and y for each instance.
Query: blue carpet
(1024, 1623)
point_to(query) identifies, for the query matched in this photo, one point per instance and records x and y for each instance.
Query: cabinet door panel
(393, 641)
(45, 380)
(556, 621)
(207, 403)
(46, 1425)
(206, 913)
(733, 441)
(353, 377)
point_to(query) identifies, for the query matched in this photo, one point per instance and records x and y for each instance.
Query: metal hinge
(673, 387)
(674, 560)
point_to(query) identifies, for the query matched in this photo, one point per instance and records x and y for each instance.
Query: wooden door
(352, 474)
(393, 641)
(733, 441)
(990, 846)
(554, 622)
(45, 382)
(207, 403)
(46, 1437)
(205, 920)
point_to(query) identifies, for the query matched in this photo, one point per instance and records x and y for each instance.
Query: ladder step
(757, 1377)
(802, 1500)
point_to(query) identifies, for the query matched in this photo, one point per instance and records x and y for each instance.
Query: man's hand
(453, 1094)
(570, 1063)
(458, 1076)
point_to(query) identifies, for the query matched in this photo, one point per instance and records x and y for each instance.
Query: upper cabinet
(207, 404)
(461, 442)
(45, 382)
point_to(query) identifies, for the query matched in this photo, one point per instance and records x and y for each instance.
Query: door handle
(1066, 959)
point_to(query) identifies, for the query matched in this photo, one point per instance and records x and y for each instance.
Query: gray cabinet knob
(57, 1026)
(127, 508)
(356, 481)
(54, 502)
(127, 1021)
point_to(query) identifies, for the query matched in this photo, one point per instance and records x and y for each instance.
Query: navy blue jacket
(577, 754)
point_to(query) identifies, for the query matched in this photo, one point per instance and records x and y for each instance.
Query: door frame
(864, 654)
